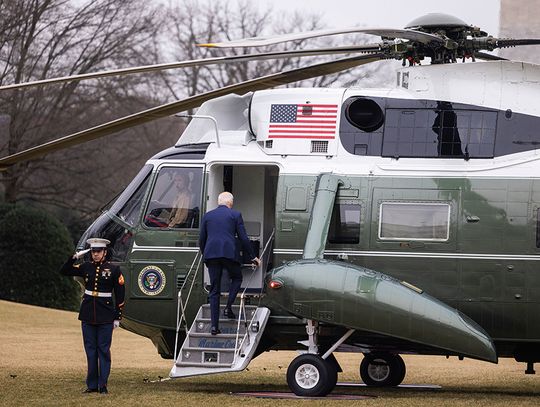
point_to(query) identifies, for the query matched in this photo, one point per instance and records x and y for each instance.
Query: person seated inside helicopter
(182, 203)
(172, 200)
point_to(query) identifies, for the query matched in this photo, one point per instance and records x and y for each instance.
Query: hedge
(33, 247)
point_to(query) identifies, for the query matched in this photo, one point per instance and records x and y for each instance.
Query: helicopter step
(229, 351)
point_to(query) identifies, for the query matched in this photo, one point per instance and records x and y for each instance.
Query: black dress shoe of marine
(215, 331)
(90, 391)
(228, 312)
(103, 390)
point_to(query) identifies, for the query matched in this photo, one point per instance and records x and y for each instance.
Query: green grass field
(42, 363)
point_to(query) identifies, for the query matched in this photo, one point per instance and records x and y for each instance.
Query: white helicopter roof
(495, 84)
(501, 85)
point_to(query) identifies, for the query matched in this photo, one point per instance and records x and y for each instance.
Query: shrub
(5, 208)
(33, 247)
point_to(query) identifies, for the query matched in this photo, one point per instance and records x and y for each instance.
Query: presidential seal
(152, 280)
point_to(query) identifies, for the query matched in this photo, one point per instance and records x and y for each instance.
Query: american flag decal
(304, 121)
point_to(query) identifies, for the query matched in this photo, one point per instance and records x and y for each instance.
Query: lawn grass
(42, 363)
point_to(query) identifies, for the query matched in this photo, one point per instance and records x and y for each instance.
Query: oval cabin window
(365, 114)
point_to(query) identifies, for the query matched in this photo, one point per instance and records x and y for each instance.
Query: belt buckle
(95, 294)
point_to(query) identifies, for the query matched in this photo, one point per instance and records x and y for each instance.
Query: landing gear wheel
(402, 371)
(311, 376)
(382, 369)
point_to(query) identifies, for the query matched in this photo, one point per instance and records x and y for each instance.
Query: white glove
(116, 323)
(78, 255)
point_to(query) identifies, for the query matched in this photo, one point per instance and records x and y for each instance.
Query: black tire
(401, 369)
(311, 376)
(382, 369)
(333, 369)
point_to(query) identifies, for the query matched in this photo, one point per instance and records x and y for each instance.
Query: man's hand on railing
(256, 262)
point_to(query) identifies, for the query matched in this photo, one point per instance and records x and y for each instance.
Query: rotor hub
(437, 20)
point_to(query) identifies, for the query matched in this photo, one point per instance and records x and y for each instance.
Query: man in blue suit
(221, 229)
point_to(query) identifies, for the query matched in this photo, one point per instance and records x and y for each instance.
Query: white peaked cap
(98, 242)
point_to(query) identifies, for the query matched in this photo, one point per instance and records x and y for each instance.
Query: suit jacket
(221, 229)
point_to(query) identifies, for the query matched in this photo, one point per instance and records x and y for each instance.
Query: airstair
(229, 351)
(233, 348)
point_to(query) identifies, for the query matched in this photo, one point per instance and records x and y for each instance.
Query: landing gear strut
(382, 369)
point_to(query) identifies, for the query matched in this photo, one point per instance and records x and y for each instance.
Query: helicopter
(389, 221)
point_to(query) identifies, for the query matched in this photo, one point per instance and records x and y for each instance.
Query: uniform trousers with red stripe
(97, 340)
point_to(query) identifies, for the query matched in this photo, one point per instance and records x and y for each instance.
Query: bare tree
(47, 38)
(59, 38)
(193, 22)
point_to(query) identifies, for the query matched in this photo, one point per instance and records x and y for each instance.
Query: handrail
(242, 308)
(238, 346)
(270, 239)
(181, 307)
(183, 316)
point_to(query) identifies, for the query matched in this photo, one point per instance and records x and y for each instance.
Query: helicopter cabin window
(414, 221)
(175, 199)
(345, 223)
(441, 132)
(538, 228)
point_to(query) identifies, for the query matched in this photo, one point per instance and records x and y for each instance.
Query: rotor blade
(276, 39)
(169, 109)
(511, 42)
(489, 57)
(406, 34)
(201, 62)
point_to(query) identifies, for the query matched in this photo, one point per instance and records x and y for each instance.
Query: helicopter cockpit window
(127, 207)
(175, 201)
(131, 210)
(414, 221)
(128, 204)
(345, 223)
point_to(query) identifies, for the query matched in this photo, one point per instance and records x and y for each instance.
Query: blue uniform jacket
(98, 277)
(221, 229)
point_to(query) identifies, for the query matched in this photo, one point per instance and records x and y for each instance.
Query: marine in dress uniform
(221, 229)
(100, 312)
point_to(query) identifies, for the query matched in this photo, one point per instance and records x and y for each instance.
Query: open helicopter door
(254, 188)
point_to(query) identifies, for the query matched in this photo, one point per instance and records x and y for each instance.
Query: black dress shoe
(215, 331)
(229, 313)
(103, 390)
(90, 391)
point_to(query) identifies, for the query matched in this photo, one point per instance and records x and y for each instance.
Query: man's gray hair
(225, 198)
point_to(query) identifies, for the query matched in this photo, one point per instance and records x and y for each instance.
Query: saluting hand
(78, 255)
